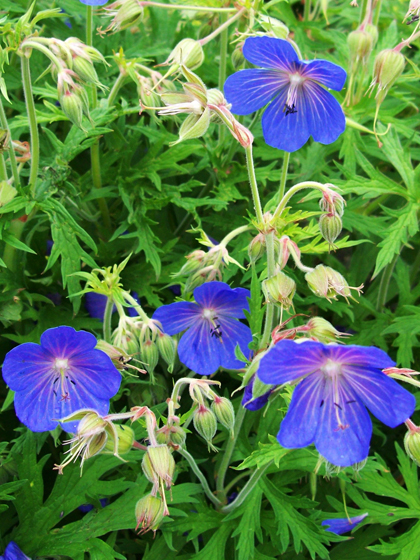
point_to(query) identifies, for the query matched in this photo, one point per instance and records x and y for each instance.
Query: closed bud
(72, 107)
(412, 445)
(279, 289)
(149, 511)
(167, 349)
(158, 465)
(225, 414)
(238, 58)
(86, 71)
(328, 283)
(171, 435)
(7, 193)
(389, 65)
(360, 44)
(195, 261)
(322, 330)
(149, 355)
(205, 423)
(330, 226)
(331, 201)
(125, 440)
(373, 32)
(277, 27)
(188, 52)
(257, 247)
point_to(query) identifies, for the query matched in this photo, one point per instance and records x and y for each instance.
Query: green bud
(389, 65)
(205, 423)
(373, 32)
(159, 465)
(7, 193)
(238, 58)
(326, 282)
(225, 414)
(72, 107)
(125, 439)
(85, 70)
(322, 330)
(173, 435)
(188, 52)
(150, 511)
(149, 355)
(279, 289)
(257, 247)
(277, 27)
(360, 44)
(194, 126)
(330, 226)
(167, 349)
(412, 445)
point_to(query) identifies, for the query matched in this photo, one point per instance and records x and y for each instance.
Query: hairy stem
(306, 10)
(234, 233)
(227, 456)
(253, 183)
(33, 128)
(12, 156)
(247, 489)
(9, 254)
(296, 188)
(271, 265)
(115, 89)
(192, 8)
(283, 177)
(107, 320)
(194, 467)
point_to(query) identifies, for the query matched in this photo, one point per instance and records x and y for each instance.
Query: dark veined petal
(94, 2)
(299, 427)
(250, 90)
(270, 52)
(96, 373)
(384, 397)
(25, 365)
(323, 113)
(363, 356)
(65, 342)
(13, 552)
(284, 131)
(326, 73)
(340, 526)
(204, 353)
(39, 408)
(289, 360)
(344, 427)
(249, 402)
(178, 316)
(220, 296)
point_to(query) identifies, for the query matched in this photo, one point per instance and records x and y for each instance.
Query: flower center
(61, 364)
(331, 369)
(208, 314)
(62, 378)
(295, 81)
(215, 331)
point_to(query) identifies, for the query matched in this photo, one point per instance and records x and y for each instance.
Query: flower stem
(378, 7)
(129, 299)
(107, 320)
(296, 188)
(115, 89)
(3, 170)
(283, 177)
(33, 128)
(191, 461)
(222, 29)
(306, 10)
(16, 229)
(247, 489)
(192, 8)
(253, 183)
(224, 465)
(234, 233)
(385, 280)
(12, 156)
(94, 150)
(271, 265)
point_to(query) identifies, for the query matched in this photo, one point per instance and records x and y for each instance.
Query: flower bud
(330, 226)
(238, 58)
(373, 32)
(72, 107)
(150, 511)
(279, 289)
(188, 52)
(360, 44)
(256, 248)
(167, 349)
(277, 27)
(149, 355)
(205, 423)
(332, 202)
(7, 193)
(389, 65)
(174, 435)
(225, 414)
(328, 283)
(412, 445)
(322, 330)
(158, 465)
(125, 439)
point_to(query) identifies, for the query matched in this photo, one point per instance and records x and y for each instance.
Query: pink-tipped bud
(158, 465)
(360, 44)
(330, 226)
(332, 202)
(328, 283)
(171, 435)
(125, 440)
(389, 65)
(225, 414)
(412, 443)
(205, 422)
(256, 248)
(150, 512)
(72, 107)
(188, 52)
(322, 330)
(279, 289)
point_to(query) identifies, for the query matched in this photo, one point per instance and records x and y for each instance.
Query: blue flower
(300, 107)
(251, 403)
(213, 329)
(93, 2)
(95, 305)
(340, 526)
(63, 374)
(13, 552)
(328, 406)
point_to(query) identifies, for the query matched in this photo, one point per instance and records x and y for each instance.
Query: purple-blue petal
(95, 305)
(251, 403)
(289, 360)
(13, 552)
(324, 115)
(226, 301)
(250, 90)
(364, 356)
(340, 526)
(344, 427)
(65, 342)
(326, 73)
(383, 396)
(96, 373)
(23, 364)
(299, 426)
(93, 2)
(270, 52)
(178, 316)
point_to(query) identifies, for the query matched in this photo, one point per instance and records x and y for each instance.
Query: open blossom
(340, 526)
(211, 325)
(300, 106)
(13, 552)
(63, 374)
(336, 385)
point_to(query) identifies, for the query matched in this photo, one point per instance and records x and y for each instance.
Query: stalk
(3, 170)
(196, 470)
(16, 229)
(385, 281)
(306, 10)
(247, 489)
(12, 156)
(296, 188)
(192, 8)
(115, 89)
(221, 29)
(253, 183)
(271, 265)
(107, 320)
(283, 177)
(30, 109)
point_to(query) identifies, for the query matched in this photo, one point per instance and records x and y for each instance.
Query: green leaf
(215, 548)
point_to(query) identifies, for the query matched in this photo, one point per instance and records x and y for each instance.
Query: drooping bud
(72, 107)
(328, 283)
(238, 58)
(125, 13)
(331, 201)
(225, 414)
(287, 247)
(389, 65)
(373, 32)
(360, 44)
(330, 226)
(150, 511)
(7, 193)
(171, 435)
(149, 354)
(279, 289)
(187, 52)
(158, 465)
(205, 423)
(322, 330)
(125, 440)
(86, 71)
(256, 248)
(167, 349)
(275, 26)
(412, 442)
(413, 11)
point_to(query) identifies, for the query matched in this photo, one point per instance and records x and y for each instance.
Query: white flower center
(295, 80)
(208, 314)
(61, 364)
(331, 369)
